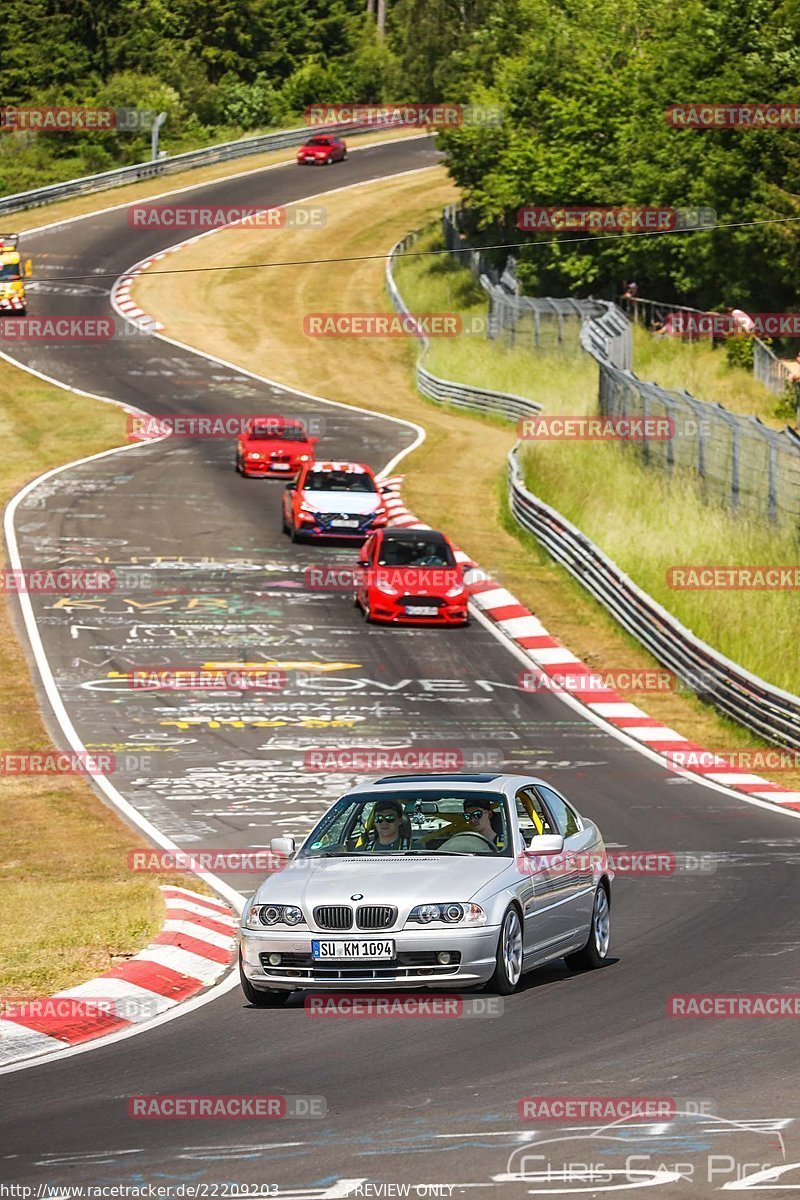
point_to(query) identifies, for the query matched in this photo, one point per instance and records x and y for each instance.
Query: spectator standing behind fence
(742, 321)
(631, 295)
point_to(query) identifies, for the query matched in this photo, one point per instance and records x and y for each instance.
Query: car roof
(414, 535)
(355, 468)
(467, 781)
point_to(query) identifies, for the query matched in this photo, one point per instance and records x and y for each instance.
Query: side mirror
(282, 845)
(28, 268)
(313, 440)
(545, 843)
(386, 489)
(291, 485)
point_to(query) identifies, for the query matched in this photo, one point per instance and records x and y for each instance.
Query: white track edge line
(116, 799)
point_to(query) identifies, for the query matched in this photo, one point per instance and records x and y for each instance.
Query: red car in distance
(274, 446)
(322, 149)
(411, 577)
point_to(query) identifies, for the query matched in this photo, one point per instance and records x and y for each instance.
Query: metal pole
(157, 123)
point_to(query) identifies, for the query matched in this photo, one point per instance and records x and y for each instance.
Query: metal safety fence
(767, 710)
(447, 391)
(740, 462)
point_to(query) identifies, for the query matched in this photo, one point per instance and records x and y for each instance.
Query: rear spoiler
(9, 241)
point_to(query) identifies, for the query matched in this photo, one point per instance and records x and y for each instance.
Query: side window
(564, 817)
(532, 815)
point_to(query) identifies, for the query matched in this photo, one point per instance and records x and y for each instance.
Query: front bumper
(322, 531)
(476, 948)
(254, 467)
(382, 608)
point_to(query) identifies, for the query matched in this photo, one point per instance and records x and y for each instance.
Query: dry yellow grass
(454, 480)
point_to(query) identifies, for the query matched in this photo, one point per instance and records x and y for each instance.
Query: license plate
(343, 524)
(280, 466)
(420, 610)
(363, 948)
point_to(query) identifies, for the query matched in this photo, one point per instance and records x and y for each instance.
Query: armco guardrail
(767, 710)
(446, 391)
(172, 165)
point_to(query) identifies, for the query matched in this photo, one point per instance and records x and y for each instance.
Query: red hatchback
(274, 446)
(410, 577)
(322, 149)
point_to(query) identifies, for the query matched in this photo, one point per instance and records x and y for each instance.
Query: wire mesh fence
(740, 462)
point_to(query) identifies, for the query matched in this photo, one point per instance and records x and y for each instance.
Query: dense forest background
(583, 86)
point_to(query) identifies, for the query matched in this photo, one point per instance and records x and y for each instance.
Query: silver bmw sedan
(430, 880)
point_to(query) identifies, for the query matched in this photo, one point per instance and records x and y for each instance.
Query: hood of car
(315, 149)
(381, 879)
(342, 502)
(282, 447)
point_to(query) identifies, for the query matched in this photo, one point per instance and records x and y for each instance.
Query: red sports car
(410, 576)
(333, 500)
(322, 149)
(274, 446)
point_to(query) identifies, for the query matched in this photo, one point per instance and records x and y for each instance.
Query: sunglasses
(475, 814)
(385, 819)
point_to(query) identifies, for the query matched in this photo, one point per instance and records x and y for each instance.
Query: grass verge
(704, 372)
(70, 905)
(599, 485)
(259, 324)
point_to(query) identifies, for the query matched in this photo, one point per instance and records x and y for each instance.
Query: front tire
(508, 968)
(259, 998)
(595, 952)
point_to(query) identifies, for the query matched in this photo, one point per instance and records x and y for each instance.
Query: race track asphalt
(210, 578)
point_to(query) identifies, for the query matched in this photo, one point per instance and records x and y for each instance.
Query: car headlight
(306, 508)
(386, 588)
(259, 915)
(253, 454)
(452, 592)
(303, 457)
(450, 912)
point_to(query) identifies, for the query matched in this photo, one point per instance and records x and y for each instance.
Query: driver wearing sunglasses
(386, 819)
(479, 813)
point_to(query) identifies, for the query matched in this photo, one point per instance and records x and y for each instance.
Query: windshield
(409, 822)
(419, 553)
(9, 271)
(277, 433)
(339, 481)
(318, 141)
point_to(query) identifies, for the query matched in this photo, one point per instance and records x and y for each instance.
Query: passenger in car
(484, 819)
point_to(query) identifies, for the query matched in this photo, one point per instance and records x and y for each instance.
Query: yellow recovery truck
(12, 276)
